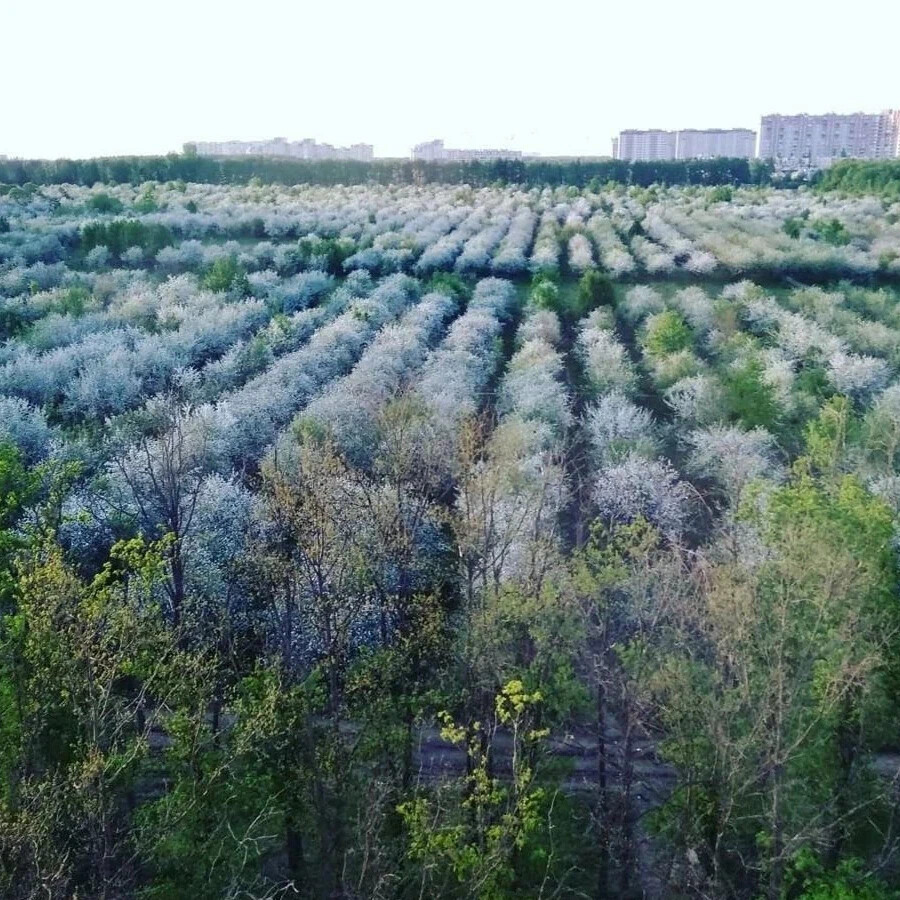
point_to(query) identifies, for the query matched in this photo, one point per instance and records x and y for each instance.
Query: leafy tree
(147, 202)
(771, 716)
(545, 292)
(833, 231)
(750, 400)
(86, 669)
(105, 203)
(120, 234)
(18, 487)
(226, 274)
(594, 289)
(792, 227)
(666, 333)
(480, 837)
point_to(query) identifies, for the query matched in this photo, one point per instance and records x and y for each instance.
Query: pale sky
(106, 77)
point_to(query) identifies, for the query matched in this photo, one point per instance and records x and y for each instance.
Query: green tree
(792, 227)
(226, 274)
(594, 289)
(666, 333)
(545, 293)
(477, 837)
(749, 399)
(86, 669)
(772, 709)
(105, 203)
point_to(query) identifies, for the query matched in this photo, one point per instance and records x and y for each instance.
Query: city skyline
(313, 148)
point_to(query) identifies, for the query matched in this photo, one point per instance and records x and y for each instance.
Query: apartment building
(652, 144)
(435, 151)
(692, 143)
(815, 141)
(282, 148)
(689, 143)
(888, 135)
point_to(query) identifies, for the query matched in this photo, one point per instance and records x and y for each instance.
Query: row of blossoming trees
(429, 541)
(174, 227)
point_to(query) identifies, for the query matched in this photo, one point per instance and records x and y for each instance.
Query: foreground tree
(86, 671)
(772, 686)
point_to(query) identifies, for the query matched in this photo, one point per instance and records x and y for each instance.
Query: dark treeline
(863, 176)
(576, 172)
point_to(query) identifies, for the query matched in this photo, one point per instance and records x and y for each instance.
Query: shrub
(104, 203)
(832, 231)
(792, 227)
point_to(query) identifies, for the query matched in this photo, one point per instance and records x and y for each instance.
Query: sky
(101, 78)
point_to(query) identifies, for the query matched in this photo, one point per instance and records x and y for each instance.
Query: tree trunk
(602, 807)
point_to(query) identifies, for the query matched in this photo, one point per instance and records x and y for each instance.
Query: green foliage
(545, 292)
(666, 333)
(13, 321)
(121, 234)
(449, 283)
(74, 301)
(848, 881)
(327, 254)
(476, 839)
(796, 660)
(749, 399)
(81, 661)
(147, 203)
(541, 172)
(594, 289)
(827, 436)
(18, 488)
(858, 176)
(226, 274)
(721, 194)
(104, 203)
(833, 231)
(792, 227)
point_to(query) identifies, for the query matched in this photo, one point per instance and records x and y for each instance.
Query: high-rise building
(435, 151)
(692, 143)
(652, 144)
(888, 137)
(689, 143)
(815, 141)
(283, 148)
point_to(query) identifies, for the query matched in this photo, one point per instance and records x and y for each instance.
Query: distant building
(652, 144)
(689, 143)
(737, 143)
(805, 141)
(888, 134)
(281, 148)
(435, 151)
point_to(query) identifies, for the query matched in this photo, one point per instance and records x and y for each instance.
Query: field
(439, 541)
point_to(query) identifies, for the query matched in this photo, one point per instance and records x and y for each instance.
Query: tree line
(863, 176)
(532, 172)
